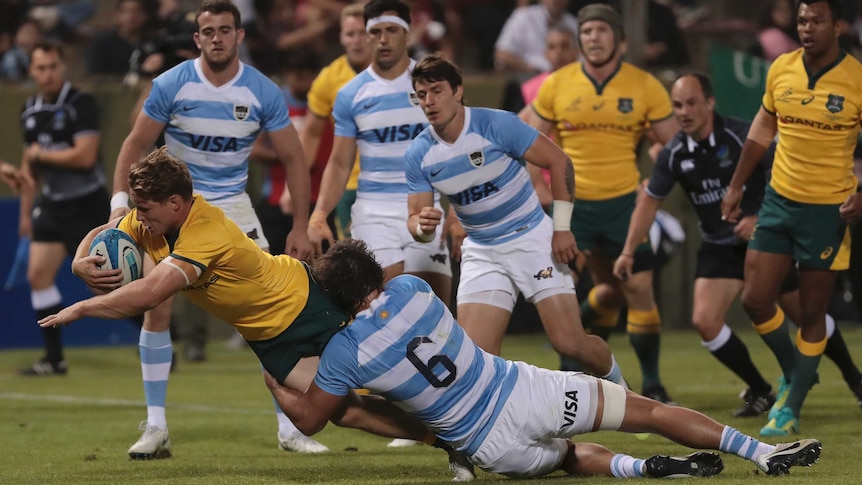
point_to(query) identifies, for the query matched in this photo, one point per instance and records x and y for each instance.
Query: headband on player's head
(386, 18)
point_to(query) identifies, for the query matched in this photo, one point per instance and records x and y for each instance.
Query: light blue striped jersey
(383, 116)
(482, 174)
(408, 349)
(213, 128)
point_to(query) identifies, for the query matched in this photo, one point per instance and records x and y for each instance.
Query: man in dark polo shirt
(702, 158)
(61, 138)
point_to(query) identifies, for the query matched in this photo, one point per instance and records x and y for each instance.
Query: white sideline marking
(19, 396)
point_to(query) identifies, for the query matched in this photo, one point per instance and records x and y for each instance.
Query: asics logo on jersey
(807, 100)
(214, 143)
(571, 412)
(473, 194)
(544, 273)
(398, 132)
(826, 253)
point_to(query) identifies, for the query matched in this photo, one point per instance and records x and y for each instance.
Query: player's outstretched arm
(135, 298)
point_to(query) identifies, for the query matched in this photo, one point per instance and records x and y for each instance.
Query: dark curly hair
(348, 272)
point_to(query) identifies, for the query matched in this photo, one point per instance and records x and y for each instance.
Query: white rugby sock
(156, 354)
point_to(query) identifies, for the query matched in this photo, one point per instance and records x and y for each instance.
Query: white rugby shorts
(383, 227)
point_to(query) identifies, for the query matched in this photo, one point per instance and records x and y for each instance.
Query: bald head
(693, 105)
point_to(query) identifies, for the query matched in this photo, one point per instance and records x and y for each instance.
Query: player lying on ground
(508, 417)
(273, 301)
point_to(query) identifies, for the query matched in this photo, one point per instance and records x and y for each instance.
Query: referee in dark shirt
(702, 158)
(61, 138)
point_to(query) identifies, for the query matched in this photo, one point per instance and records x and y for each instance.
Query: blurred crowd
(131, 39)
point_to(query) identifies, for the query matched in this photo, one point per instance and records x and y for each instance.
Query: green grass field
(76, 429)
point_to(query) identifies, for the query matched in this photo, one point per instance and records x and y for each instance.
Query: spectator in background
(521, 45)
(777, 34)
(665, 43)
(481, 21)
(14, 12)
(111, 52)
(170, 44)
(282, 26)
(561, 48)
(61, 19)
(428, 34)
(299, 68)
(16, 61)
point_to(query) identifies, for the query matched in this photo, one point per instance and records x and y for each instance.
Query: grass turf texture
(76, 429)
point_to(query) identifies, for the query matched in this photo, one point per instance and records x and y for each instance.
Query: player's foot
(799, 453)
(300, 443)
(698, 464)
(780, 397)
(461, 467)
(856, 389)
(43, 367)
(402, 443)
(756, 403)
(783, 424)
(154, 444)
(658, 393)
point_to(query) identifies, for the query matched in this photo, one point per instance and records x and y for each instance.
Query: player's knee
(758, 309)
(706, 327)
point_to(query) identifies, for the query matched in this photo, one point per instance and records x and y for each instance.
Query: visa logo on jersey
(214, 143)
(474, 194)
(398, 132)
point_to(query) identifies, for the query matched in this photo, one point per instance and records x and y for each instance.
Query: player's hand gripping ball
(120, 252)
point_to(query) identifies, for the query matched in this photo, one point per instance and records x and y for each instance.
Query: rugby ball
(120, 252)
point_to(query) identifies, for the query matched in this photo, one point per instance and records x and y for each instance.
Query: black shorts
(722, 261)
(68, 221)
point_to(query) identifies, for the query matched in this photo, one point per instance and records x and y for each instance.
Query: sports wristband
(562, 215)
(120, 200)
(422, 235)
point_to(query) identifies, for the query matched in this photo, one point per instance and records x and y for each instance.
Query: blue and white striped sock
(616, 374)
(741, 445)
(156, 352)
(625, 466)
